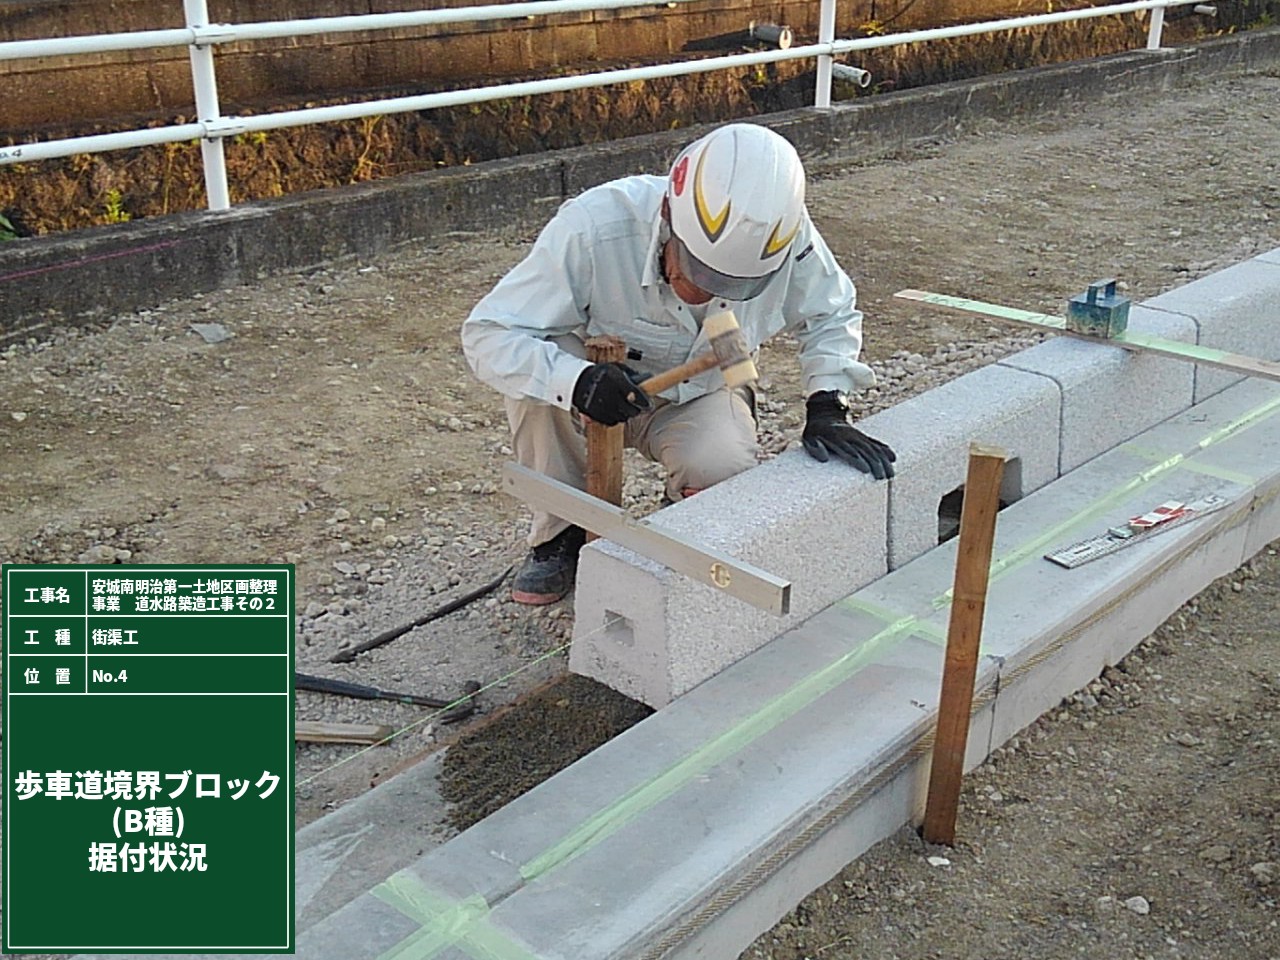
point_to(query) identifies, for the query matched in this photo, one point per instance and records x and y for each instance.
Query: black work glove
(827, 430)
(610, 393)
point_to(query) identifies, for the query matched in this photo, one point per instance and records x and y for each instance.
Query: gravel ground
(337, 428)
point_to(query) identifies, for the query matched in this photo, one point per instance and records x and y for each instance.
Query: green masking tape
(920, 628)
(445, 923)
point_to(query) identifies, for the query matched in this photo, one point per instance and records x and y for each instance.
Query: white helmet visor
(714, 282)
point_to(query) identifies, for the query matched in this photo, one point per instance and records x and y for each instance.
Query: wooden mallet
(728, 351)
(604, 444)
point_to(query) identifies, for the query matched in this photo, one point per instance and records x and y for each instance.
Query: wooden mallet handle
(669, 378)
(728, 352)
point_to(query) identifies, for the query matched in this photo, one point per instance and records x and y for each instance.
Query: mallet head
(730, 349)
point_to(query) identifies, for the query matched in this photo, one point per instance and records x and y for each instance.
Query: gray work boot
(547, 574)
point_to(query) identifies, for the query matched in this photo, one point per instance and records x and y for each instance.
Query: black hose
(461, 707)
(347, 656)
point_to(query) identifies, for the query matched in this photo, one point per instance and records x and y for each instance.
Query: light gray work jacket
(594, 270)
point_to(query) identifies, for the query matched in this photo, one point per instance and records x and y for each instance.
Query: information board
(148, 759)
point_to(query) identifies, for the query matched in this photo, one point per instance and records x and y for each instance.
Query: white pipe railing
(205, 81)
(1155, 29)
(281, 29)
(826, 34)
(211, 127)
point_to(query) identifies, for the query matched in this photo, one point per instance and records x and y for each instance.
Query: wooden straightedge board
(1130, 339)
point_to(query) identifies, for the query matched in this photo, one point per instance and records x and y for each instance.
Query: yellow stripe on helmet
(712, 226)
(774, 244)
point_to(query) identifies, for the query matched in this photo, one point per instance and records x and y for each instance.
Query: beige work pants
(699, 443)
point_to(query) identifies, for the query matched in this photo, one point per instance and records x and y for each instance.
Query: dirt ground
(337, 428)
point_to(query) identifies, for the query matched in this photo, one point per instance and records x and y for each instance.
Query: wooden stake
(604, 444)
(968, 604)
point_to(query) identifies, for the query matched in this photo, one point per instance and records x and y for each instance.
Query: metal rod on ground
(968, 604)
(604, 444)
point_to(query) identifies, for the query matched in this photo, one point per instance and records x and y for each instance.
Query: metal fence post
(826, 34)
(1155, 28)
(205, 81)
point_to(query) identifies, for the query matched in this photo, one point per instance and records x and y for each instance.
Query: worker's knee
(705, 441)
(547, 439)
(696, 477)
(708, 461)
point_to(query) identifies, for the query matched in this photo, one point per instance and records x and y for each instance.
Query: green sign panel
(148, 759)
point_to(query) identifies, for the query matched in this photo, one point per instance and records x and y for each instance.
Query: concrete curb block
(1098, 387)
(644, 630)
(1230, 309)
(83, 274)
(1017, 411)
(1053, 408)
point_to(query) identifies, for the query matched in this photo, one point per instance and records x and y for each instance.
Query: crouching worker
(647, 259)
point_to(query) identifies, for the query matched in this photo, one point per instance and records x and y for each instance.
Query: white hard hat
(736, 198)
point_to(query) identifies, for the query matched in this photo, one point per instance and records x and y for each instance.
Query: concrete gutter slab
(1247, 455)
(692, 832)
(373, 836)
